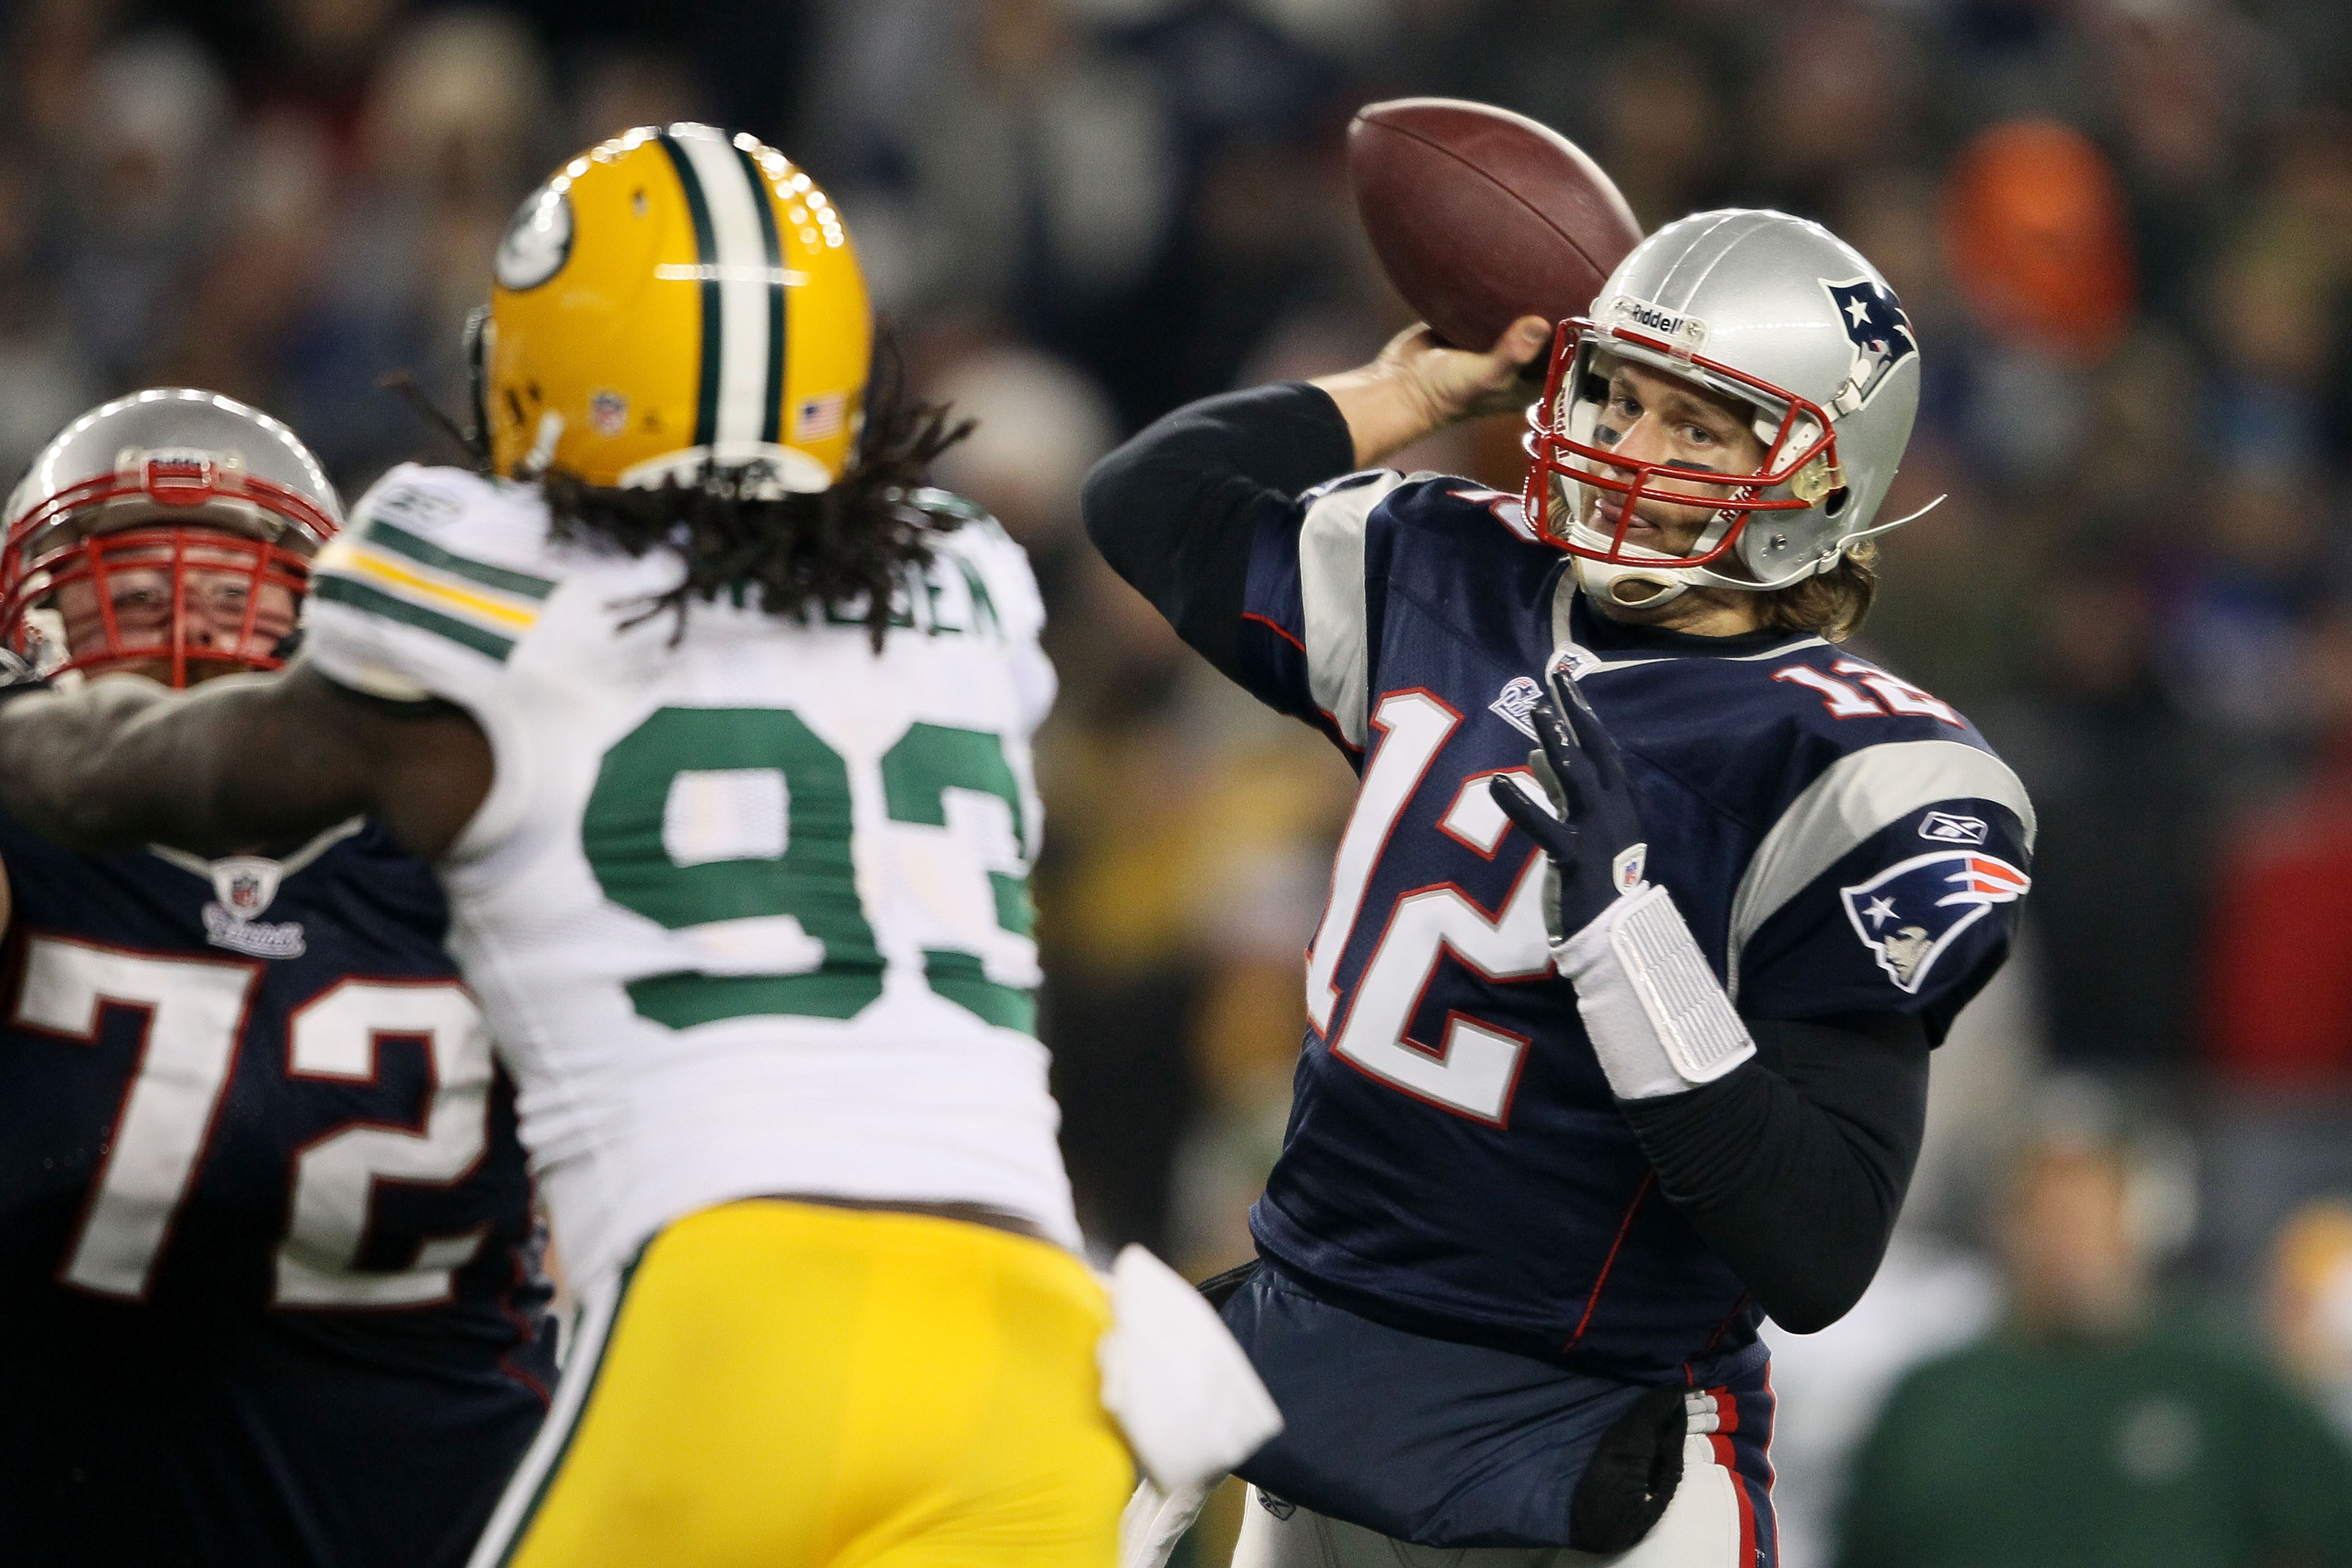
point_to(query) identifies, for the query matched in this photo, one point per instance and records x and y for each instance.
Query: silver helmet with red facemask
(1789, 323)
(169, 531)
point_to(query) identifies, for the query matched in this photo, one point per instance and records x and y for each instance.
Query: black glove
(1598, 852)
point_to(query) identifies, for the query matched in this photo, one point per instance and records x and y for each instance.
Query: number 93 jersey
(747, 902)
(1839, 841)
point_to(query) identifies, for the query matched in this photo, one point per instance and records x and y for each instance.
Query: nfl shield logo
(1910, 912)
(244, 884)
(609, 413)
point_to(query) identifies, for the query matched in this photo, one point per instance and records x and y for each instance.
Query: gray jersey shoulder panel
(1331, 595)
(1858, 795)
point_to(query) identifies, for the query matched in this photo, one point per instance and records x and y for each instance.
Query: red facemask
(1801, 456)
(178, 600)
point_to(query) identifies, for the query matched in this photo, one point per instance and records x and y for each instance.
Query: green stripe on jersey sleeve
(424, 552)
(342, 590)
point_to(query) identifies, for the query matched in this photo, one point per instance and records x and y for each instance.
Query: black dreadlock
(803, 553)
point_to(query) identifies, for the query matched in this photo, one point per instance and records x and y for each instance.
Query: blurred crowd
(2123, 230)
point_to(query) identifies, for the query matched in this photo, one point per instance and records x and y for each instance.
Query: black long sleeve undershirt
(1172, 510)
(1793, 1166)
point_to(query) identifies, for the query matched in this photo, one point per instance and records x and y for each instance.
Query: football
(1480, 215)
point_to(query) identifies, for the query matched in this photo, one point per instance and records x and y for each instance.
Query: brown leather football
(1480, 215)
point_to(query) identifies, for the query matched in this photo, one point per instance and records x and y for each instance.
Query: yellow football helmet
(673, 297)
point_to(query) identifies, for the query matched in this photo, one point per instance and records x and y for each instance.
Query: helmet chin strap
(1603, 581)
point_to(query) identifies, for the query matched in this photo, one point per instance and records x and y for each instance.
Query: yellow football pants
(775, 1384)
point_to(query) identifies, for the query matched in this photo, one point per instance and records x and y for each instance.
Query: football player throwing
(269, 1275)
(1653, 903)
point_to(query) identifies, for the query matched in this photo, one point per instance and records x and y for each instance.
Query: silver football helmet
(170, 531)
(1777, 313)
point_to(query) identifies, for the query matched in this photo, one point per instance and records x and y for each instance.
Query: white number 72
(195, 1011)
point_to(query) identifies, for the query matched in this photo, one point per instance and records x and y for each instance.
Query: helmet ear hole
(1836, 501)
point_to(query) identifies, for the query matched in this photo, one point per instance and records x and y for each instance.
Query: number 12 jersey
(1840, 842)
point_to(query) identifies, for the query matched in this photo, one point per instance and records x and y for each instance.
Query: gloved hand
(1658, 1018)
(1595, 845)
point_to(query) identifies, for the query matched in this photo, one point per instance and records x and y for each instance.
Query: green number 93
(812, 877)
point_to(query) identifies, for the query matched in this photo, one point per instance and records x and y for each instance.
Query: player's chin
(200, 668)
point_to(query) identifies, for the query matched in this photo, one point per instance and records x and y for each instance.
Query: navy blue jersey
(262, 1211)
(1454, 1444)
(1840, 842)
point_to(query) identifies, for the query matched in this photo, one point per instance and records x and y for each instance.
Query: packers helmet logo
(537, 240)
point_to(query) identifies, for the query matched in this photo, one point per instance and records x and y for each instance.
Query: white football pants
(1700, 1529)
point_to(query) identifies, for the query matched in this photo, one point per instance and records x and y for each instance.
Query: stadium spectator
(2097, 1424)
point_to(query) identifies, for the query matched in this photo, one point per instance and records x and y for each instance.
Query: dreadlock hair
(795, 554)
(1832, 606)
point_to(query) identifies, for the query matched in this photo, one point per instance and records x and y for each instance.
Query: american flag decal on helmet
(818, 417)
(1911, 912)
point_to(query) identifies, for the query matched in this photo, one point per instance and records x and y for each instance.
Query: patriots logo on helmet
(1911, 912)
(1881, 334)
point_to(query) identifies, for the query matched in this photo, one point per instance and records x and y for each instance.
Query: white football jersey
(747, 905)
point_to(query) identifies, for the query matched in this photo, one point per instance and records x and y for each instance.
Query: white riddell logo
(1684, 331)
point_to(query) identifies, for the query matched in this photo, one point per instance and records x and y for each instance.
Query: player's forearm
(1793, 1166)
(61, 773)
(1174, 510)
(125, 762)
(1384, 409)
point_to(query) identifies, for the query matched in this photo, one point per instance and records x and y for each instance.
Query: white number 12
(1475, 1068)
(195, 1011)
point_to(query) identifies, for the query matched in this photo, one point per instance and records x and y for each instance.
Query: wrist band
(1658, 1017)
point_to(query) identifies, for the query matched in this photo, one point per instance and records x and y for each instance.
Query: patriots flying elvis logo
(1881, 334)
(1910, 912)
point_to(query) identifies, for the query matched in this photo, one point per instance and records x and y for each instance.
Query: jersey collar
(1612, 642)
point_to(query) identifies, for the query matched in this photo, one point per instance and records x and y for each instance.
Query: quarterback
(268, 1268)
(718, 727)
(1653, 904)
